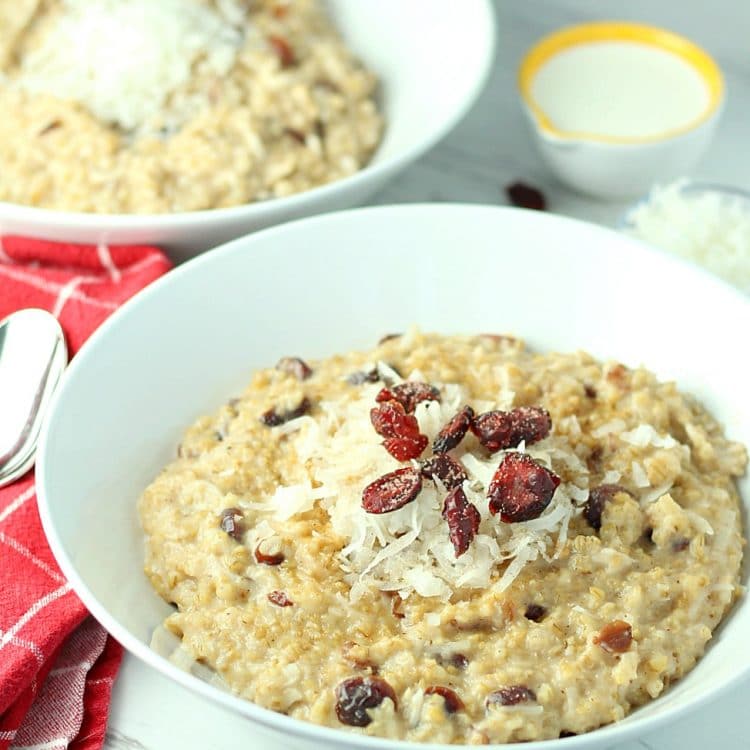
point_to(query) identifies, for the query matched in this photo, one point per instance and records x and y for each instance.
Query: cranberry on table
(524, 195)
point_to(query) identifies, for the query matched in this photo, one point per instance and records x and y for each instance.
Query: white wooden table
(489, 150)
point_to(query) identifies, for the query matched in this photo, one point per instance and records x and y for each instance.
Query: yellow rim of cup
(618, 31)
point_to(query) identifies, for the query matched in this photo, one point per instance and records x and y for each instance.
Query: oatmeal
(449, 539)
(180, 105)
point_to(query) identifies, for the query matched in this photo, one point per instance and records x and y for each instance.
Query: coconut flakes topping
(409, 550)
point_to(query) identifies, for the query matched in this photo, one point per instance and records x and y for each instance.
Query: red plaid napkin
(57, 664)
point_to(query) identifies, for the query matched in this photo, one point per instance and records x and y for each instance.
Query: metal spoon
(33, 356)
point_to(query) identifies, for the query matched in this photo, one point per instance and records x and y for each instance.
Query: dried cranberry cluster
(520, 489)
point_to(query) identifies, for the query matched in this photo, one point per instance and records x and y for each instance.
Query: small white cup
(611, 167)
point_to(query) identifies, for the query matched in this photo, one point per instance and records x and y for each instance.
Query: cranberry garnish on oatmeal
(497, 430)
(400, 430)
(391, 420)
(462, 519)
(615, 637)
(294, 366)
(432, 560)
(409, 394)
(405, 449)
(355, 695)
(447, 470)
(453, 433)
(451, 701)
(521, 488)
(392, 491)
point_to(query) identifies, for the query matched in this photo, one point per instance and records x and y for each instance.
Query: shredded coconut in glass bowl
(704, 223)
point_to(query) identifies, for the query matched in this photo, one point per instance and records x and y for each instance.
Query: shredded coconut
(409, 550)
(122, 60)
(706, 226)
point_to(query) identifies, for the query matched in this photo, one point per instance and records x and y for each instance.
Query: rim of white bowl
(626, 729)
(86, 221)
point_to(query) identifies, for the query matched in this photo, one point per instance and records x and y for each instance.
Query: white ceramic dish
(336, 282)
(608, 167)
(432, 58)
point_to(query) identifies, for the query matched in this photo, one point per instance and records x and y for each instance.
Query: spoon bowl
(33, 356)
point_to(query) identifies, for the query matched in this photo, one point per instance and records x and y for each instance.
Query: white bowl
(432, 63)
(191, 339)
(610, 167)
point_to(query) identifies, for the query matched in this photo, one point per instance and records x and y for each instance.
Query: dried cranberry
(265, 559)
(453, 433)
(50, 126)
(283, 51)
(392, 491)
(462, 518)
(680, 545)
(452, 702)
(360, 376)
(521, 488)
(389, 337)
(525, 196)
(390, 420)
(597, 499)
(273, 418)
(535, 612)
(397, 606)
(296, 135)
(496, 430)
(280, 599)
(232, 521)
(449, 471)
(294, 366)
(405, 449)
(409, 394)
(511, 695)
(355, 695)
(615, 637)
(459, 661)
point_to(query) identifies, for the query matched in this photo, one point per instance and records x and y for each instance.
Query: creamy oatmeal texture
(305, 603)
(181, 105)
